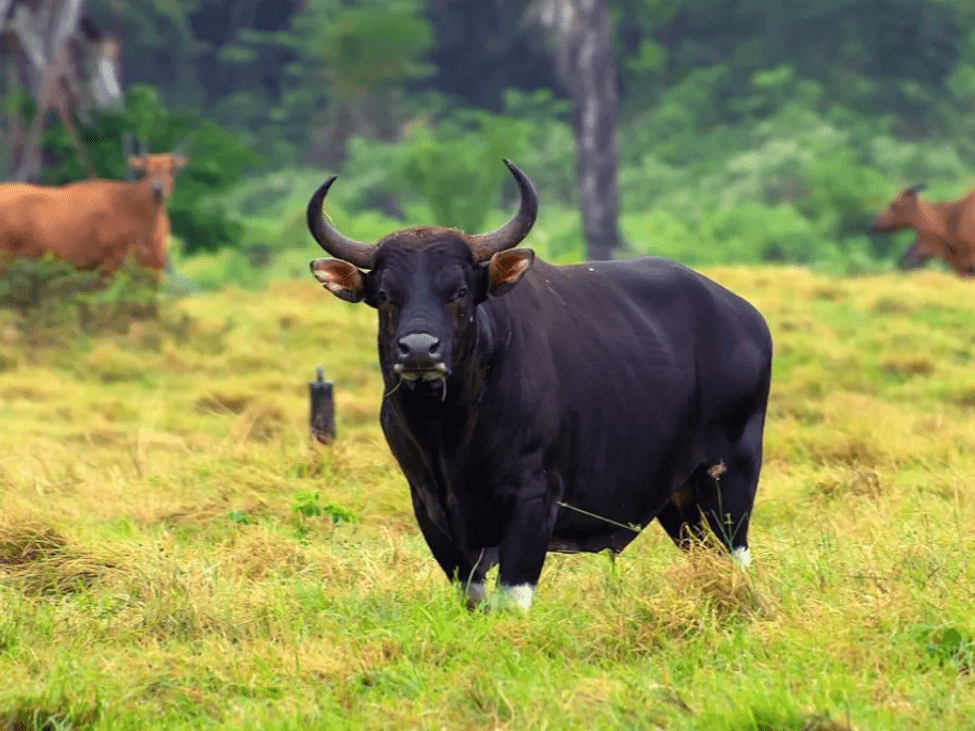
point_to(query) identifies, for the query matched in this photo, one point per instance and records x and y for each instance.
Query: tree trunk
(46, 39)
(583, 39)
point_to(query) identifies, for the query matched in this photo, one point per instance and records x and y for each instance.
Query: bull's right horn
(355, 252)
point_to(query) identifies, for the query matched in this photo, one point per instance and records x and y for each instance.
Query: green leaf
(240, 518)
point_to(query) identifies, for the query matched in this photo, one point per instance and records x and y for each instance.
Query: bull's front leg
(525, 542)
(456, 564)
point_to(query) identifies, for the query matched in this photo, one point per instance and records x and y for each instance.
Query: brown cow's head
(901, 213)
(426, 282)
(159, 173)
(160, 170)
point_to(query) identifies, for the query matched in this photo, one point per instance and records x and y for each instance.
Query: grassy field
(175, 553)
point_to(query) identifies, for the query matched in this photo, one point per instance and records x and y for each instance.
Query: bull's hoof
(474, 595)
(512, 598)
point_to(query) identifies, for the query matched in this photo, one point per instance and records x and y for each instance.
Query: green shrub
(51, 299)
(456, 165)
(372, 177)
(217, 161)
(549, 153)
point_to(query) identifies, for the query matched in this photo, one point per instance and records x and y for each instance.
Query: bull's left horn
(341, 247)
(487, 245)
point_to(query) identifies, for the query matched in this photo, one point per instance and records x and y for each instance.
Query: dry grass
(42, 561)
(166, 552)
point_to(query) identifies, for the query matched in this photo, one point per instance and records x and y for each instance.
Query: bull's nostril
(421, 346)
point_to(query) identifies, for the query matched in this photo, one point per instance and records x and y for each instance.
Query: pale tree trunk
(584, 52)
(47, 41)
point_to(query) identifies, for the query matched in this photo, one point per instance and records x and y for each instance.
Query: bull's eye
(459, 294)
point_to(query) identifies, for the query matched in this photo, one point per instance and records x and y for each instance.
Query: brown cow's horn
(487, 245)
(355, 252)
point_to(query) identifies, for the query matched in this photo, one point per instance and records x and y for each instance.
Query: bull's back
(642, 320)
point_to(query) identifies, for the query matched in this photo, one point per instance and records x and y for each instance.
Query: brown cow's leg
(110, 264)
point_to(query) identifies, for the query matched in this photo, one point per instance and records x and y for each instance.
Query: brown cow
(93, 223)
(944, 229)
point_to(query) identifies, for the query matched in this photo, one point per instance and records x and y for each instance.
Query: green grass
(170, 555)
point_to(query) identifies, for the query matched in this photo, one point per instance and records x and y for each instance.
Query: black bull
(537, 408)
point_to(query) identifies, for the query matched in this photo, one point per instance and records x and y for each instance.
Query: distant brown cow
(945, 229)
(93, 223)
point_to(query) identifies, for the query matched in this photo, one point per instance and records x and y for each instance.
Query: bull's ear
(180, 162)
(340, 278)
(506, 269)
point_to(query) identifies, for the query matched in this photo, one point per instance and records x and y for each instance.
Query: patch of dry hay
(260, 423)
(199, 514)
(848, 481)
(43, 561)
(705, 590)
(224, 403)
(710, 578)
(257, 553)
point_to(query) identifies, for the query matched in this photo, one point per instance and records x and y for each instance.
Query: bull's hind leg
(725, 489)
(681, 517)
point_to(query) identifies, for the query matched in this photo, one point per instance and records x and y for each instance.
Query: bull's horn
(355, 252)
(487, 245)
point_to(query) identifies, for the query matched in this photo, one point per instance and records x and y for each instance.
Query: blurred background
(708, 131)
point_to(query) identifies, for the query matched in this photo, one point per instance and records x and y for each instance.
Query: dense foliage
(753, 130)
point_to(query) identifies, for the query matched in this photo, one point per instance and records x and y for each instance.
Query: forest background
(747, 131)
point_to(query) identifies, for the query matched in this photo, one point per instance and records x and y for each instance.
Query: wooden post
(322, 409)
